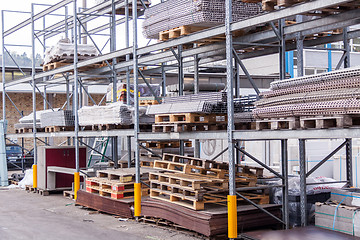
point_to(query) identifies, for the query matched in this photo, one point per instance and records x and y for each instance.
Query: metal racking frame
(277, 40)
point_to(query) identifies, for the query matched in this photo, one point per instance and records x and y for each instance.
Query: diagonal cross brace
(150, 88)
(252, 82)
(259, 162)
(325, 159)
(259, 207)
(150, 151)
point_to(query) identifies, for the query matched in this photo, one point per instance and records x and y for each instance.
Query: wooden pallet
(190, 118)
(148, 102)
(116, 194)
(28, 130)
(166, 144)
(105, 127)
(43, 192)
(188, 29)
(105, 184)
(30, 188)
(55, 65)
(245, 126)
(186, 181)
(188, 169)
(146, 163)
(123, 175)
(323, 122)
(250, 171)
(278, 123)
(187, 127)
(214, 198)
(198, 162)
(69, 194)
(13, 182)
(59, 128)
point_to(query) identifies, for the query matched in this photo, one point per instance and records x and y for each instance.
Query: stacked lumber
(324, 100)
(194, 182)
(174, 18)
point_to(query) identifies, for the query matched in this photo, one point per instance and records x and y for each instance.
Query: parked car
(15, 157)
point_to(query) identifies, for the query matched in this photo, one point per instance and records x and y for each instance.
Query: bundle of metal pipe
(318, 78)
(332, 93)
(338, 107)
(211, 102)
(204, 13)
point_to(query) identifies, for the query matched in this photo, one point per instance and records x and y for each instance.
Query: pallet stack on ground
(117, 183)
(194, 182)
(327, 100)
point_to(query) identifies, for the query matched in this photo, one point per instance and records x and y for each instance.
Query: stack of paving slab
(202, 13)
(64, 50)
(114, 113)
(342, 213)
(63, 118)
(326, 94)
(27, 121)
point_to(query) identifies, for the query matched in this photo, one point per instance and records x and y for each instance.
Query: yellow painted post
(76, 183)
(232, 216)
(137, 199)
(34, 176)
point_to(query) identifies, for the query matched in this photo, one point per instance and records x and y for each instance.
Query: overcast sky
(23, 37)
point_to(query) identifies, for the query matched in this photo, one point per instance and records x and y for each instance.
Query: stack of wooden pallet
(180, 122)
(117, 184)
(159, 148)
(194, 182)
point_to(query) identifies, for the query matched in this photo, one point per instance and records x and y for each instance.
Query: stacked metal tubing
(333, 93)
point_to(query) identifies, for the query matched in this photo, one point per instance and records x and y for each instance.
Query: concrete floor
(31, 216)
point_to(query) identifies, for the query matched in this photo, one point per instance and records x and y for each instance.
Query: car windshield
(13, 150)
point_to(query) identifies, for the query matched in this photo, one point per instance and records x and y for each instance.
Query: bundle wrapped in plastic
(116, 113)
(64, 50)
(315, 193)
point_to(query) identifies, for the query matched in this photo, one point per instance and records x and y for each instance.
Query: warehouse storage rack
(278, 39)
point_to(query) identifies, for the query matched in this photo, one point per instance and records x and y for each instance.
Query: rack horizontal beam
(268, 17)
(37, 16)
(250, 135)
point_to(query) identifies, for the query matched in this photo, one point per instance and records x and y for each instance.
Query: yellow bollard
(76, 183)
(137, 199)
(34, 176)
(232, 216)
